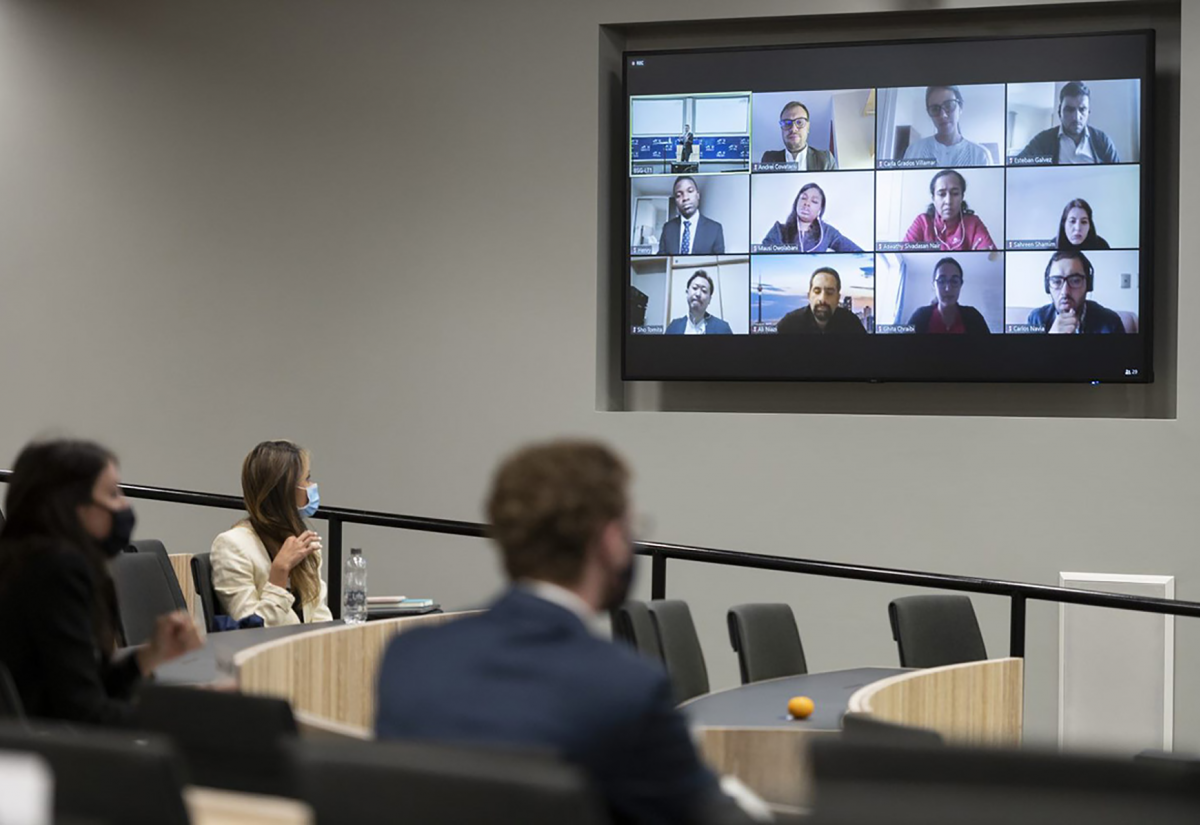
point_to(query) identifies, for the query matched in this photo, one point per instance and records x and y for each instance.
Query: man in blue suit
(698, 321)
(532, 671)
(691, 233)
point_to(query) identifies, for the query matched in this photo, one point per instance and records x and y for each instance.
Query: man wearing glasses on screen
(793, 126)
(1073, 141)
(1069, 278)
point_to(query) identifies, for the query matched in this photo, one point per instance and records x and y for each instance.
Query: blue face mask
(314, 501)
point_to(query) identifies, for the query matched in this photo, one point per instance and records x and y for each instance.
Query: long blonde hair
(270, 475)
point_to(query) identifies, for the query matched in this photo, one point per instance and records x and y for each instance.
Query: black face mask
(119, 536)
(621, 585)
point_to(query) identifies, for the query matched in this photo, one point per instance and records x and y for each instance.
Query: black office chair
(419, 782)
(227, 740)
(101, 776)
(11, 706)
(766, 640)
(632, 624)
(202, 577)
(680, 645)
(867, 729)
(872, 783)
(146, 589)
(932, 631)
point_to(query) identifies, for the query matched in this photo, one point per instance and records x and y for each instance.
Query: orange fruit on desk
(800, 707)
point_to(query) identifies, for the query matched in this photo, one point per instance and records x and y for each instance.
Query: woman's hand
(295, 550)
(174, 635)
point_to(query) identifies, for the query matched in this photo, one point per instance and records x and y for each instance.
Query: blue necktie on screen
(686, 243)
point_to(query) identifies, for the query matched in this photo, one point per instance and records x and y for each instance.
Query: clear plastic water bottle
(354, 588)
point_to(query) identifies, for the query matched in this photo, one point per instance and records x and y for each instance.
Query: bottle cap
(356, 551)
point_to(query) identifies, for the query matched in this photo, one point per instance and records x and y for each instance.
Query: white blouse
(241, 568)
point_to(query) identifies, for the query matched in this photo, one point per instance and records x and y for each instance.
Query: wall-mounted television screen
(943, 210)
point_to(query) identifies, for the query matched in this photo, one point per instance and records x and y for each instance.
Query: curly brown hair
(550, 501)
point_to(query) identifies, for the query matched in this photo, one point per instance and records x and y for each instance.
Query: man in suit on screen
(699, 321)
(690, 233)
(793, 127)
(533, 671)
(1074, 141)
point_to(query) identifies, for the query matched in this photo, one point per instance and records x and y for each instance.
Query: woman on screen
(948, 221)
(946, 314)
(1076, 229)
(947, 146)
(269, 564)
(67, 520)
(804, 227)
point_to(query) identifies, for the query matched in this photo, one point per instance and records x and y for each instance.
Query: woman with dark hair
(948, 221)
(1076, 229)
(804, 227)
(946, 314)
(269, 564)
(59, 628)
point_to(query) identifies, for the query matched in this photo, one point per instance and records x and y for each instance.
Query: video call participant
(946, 314)
(824, 313)
(691, 233)
(793, 127)
(1073, 141)
(947, 146)
(685, 143)
(1076, 229)
(948, 221)
(804, 228)
(1069, 278)
(269, 564)
(698, 321)
(60, 631)
(534, 671)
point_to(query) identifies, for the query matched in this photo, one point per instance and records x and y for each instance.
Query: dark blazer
(712, 326)
(973, 320)
(1046, 143)
(1097, 319)
(47, 618)
(817, 160)
(801, 321)
(709, 240)
(528, 673)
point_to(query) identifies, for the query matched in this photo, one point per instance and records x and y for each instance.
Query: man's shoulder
(1100, 315)
(773, 156)
(1041, 315)
(707, 221)
(717, 325)
(676, 326)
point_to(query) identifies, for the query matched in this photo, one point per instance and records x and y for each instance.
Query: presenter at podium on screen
(946, 314)
(1077, 229)
(805, 229)
(691, 233)
(269, 564)
(698, 321)
(1069, 278)
(685, 143)
(824, 313)
(1073, 141)
(948, 221)
(794, 124)
(947, 146)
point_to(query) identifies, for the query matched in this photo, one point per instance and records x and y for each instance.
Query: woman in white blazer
(270, 562)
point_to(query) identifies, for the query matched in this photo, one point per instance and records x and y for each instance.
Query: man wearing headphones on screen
(1069, 278)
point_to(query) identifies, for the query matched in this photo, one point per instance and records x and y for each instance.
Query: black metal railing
(1018, 593)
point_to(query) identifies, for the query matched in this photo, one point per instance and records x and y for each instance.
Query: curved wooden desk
(746, 731)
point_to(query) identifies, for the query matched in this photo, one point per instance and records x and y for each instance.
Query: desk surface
(215, 660)
(764, 704)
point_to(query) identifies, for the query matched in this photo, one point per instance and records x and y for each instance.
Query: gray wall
(224, 221)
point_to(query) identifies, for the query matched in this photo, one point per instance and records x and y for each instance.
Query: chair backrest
(680, 645)
(932, 631)
(227, 740)
(11, 706)
(146, 589)
(100, 776)
(202, 576)
(874, 783)
(420, 782)
(766, 640)
(868, 729)
(632, 624)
